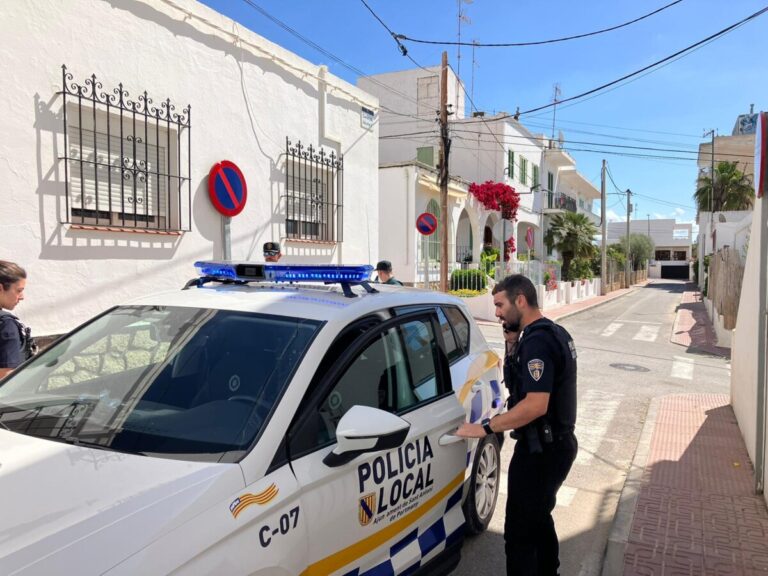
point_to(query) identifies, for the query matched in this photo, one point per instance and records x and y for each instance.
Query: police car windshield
(185, 383)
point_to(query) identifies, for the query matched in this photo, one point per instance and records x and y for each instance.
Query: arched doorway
(488, 239)
(464, 238)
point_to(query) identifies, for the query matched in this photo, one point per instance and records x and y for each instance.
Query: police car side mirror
(364, 429)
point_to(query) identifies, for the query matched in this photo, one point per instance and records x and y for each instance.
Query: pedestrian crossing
(642, 332)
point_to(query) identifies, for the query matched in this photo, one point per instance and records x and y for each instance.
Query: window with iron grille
(523, 170)
(314, 184)
(123, 159)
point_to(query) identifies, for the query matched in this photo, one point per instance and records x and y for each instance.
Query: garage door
(675, 272)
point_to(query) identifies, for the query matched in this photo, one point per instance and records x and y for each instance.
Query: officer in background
(384, 273)
(272, 252)
(541, 377)
(16, 342)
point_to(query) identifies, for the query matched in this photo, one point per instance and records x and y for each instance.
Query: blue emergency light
(255, 272)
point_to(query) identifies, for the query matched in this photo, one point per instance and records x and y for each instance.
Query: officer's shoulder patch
(536, 368)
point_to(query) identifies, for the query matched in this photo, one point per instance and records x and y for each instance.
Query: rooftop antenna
(554, 109)
(474, 64)
(461, 16)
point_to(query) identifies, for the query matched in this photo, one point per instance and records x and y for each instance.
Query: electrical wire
(654, 65)
(327, 53)
(533, 43)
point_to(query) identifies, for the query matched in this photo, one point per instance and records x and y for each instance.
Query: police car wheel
(483, 487)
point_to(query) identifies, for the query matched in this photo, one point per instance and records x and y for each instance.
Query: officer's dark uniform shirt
(546, 362)
(11, 345)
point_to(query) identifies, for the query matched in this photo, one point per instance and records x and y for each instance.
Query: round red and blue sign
(227, 188)
(426, 224)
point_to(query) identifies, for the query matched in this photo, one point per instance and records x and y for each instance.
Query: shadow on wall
(195, 30)
(58, 241)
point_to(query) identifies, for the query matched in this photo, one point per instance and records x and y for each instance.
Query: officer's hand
(468, 430)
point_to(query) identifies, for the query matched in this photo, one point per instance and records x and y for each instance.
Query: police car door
(382, 509)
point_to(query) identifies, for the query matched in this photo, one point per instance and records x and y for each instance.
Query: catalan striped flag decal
(367, 506)
(247, 499)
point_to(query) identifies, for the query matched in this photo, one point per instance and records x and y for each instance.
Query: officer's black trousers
(529, 531)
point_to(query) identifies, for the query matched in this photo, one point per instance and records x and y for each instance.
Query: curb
(618, 537)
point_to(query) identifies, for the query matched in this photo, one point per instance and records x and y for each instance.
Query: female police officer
(15, 340)
(541, 378)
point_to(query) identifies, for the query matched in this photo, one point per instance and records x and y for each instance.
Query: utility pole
(603, 244)
(629, 212)
(712, 205)
(445, 147)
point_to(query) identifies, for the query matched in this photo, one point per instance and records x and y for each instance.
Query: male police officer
(541, 377)
(272, 252)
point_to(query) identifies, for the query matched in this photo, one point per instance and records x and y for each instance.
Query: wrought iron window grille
(314, 193)
(123, 159)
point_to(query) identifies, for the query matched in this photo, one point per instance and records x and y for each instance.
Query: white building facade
(106, 162)
(496, 148)
(672, 240)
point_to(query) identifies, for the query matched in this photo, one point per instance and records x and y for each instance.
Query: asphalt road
(625, 359)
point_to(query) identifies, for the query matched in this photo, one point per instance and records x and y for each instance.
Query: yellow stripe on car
(359, 549)
(480, 365)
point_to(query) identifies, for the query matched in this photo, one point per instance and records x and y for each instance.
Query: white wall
(398, 91)
(744, 351)
(661, 232)
(397, 217)
(246, 97)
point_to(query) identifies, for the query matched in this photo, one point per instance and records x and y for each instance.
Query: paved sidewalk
(571, 309)
(696, 512)
(693, 328)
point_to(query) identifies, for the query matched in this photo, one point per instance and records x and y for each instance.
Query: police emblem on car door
(380, 487)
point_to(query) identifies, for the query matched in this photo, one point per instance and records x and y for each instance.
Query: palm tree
(571, 234)
(733, 190)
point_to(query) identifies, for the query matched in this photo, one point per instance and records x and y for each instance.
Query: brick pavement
(696, 512)
(693, 328)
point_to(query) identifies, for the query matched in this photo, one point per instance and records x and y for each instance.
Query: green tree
(640, 249)
(571, 234)
(733, 190)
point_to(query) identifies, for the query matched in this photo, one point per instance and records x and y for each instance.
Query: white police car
(248, 426)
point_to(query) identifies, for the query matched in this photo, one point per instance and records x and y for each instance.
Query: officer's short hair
(10, 273)
(516, 284)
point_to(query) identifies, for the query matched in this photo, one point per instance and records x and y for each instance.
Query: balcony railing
(557, 201)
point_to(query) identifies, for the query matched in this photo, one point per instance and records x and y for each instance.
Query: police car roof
(314, 302)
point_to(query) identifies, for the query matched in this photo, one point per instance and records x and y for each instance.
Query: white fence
(564, 293)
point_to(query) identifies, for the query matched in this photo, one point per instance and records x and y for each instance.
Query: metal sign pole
(425, 253)
(227, 238)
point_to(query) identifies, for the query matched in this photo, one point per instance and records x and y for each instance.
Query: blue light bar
(254, 272)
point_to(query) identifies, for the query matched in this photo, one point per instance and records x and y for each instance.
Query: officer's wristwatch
(486, 424)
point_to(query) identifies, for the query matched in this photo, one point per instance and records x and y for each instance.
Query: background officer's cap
(384, 266)
(271, 248)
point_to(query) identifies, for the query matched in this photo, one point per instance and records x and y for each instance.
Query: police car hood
(70, 501)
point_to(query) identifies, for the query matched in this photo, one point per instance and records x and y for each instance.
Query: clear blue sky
(668, 108)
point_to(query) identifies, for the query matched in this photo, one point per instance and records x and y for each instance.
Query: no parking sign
(426, 223)
(227, 188)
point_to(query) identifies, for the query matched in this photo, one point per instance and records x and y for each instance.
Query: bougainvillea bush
(498, 197)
